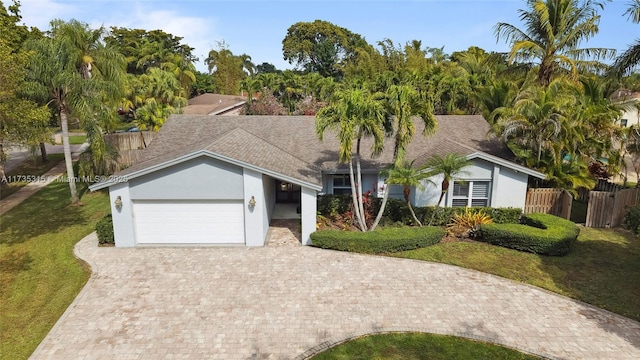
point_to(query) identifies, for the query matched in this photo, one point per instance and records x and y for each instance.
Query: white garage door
(189, 222)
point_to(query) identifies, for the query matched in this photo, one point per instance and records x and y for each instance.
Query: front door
(287, 192)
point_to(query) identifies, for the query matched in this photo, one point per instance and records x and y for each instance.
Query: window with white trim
(471, 193)
(341, 184)
(623, 122)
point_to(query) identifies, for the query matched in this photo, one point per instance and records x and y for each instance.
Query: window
(471, 193)
(341, 184)
(623, 122)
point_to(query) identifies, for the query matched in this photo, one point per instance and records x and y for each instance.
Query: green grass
(409, 346)
(39, 275)
(77, 139)
(31, 167)
(603, 269)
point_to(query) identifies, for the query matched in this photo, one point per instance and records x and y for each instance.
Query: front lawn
(39, 275)
(409, 346)
(77, 139)
(602, 269)
(28, 170)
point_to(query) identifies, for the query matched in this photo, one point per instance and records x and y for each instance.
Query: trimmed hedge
(104, 230)
(381, 241)
(632, 218)
(397, 211)
(539, 233)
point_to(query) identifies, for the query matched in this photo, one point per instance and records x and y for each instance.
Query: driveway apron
(289, 302)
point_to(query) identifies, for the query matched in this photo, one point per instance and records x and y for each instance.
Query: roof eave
(193, 155)
(506, 163)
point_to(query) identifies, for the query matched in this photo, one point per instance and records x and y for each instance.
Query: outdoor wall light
(118, 202)
(252, 202)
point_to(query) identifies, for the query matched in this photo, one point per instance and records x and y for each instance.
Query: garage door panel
(189, 222)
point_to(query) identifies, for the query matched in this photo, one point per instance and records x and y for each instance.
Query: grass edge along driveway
(603, 269)
(39, 274)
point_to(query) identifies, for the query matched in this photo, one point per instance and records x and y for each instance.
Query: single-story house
(214, 104)
(218, 179)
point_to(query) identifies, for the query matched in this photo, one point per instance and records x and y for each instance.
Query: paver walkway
(286, 302)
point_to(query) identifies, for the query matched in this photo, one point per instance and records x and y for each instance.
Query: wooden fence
(129, 145)
(549, 201)
(130, 140)
(606, 209)
(601, 185)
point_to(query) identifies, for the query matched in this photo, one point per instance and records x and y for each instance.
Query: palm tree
(407, 176)
(353, 114)
(80, 77)
(630, 58)
(449, 166)
(536, 119)
(403, 104)
(553, 31)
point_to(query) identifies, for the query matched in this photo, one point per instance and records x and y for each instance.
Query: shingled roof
(288, 145)
(213, 104)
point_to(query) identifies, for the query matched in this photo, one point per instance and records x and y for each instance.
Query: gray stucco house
(217, 179)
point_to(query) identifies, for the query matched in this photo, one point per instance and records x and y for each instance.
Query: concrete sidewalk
(31, 188)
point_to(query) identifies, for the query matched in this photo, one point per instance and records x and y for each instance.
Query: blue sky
(258, 27)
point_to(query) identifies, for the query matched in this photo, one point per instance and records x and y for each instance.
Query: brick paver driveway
(278, 303)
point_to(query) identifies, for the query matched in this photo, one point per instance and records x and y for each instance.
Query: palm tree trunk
(415, 218)
(354, 197)
(359, 190)
(64, 124)
(385, 197)
(43, 153)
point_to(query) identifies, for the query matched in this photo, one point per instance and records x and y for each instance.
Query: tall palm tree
(553, 31)
(353, 114)
(408, 177)
(536, 119)
(630, 58)
(404, 104)
(74, 71)
(449, 166)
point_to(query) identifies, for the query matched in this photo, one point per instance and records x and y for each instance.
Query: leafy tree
(321, 47)
(266, 68)
(353, 114)
(144, 49)
(266, 104)
(553, 31)
(21, 121)
(449, 166)
(161, 96)
(631, 57)
(80, 76)
(228, 70)
(203, 85)
(407, 176)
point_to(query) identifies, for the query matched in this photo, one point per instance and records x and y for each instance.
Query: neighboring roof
(287, 146)
(213, 104)
(624, 95)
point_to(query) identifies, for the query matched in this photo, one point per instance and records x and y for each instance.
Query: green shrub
(104, 230)
(539, 233)
(332, 205)
(632, 218)
(387, 240)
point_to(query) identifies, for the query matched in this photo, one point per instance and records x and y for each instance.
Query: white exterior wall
(255, 226)
(508, 187)
(513, 189)
(123, 226)
(309, 209)
(630, 112)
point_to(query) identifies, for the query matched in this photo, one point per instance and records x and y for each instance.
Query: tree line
(548, 98)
